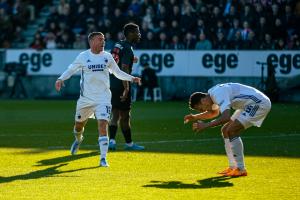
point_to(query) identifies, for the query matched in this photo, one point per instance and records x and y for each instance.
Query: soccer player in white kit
(251, 108)
(94, 64)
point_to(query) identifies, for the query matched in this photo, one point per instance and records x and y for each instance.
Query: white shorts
(253, 114)
(85, 110)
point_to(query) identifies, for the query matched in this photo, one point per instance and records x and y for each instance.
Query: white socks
(237, 148)
(103, 144)
(78, 135)
(229, 153)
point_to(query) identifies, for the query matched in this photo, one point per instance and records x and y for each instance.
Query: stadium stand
(180, 24)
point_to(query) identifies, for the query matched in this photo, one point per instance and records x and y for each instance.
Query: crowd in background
(15, 15)
(168, 24)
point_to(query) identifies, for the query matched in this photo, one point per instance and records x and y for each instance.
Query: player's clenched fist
(199, 126)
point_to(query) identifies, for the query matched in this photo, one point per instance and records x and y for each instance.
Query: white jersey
(236, 96)
(95, 69)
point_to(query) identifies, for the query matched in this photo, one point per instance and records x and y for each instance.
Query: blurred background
(188, 45)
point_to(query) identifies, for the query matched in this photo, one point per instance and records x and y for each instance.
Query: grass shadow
(64, 159)
(213, 182)
(48, 172)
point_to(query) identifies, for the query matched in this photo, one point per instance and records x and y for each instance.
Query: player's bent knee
(225, 133)
(79, 126)
(233, 133)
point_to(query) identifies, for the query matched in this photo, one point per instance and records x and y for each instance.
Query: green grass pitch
(35, 162)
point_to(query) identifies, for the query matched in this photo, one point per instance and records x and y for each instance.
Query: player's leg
(233, 131)
(79, 129)
(126, 130)
(102, 113)
(103, 141)
(78, 134)
(113, 128)
(227, 145)
(83, 112)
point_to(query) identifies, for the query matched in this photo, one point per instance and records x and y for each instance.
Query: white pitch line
(195, 140)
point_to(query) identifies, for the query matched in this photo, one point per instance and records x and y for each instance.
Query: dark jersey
(123, 55)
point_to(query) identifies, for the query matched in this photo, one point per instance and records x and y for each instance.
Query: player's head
(132, 32)
(200, 101)
(96, 41)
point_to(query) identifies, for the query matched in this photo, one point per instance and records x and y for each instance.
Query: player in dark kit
(121, 95)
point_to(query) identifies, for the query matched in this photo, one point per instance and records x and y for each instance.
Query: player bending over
(251, 108)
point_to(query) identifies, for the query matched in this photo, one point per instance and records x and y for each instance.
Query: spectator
(187, 21)
(189, 41)
(149, 79)
(149, 42)
(176, 44)
(200, 28)
(64, 41)
(175, 14)
(161, 13)
(175, 29)
(63, 6)
(20, 13)
(109, 42)
(37, 44)
(279, 31)
(173, 17)
(5, 6)
(234, 28)
(131, 17)
(262, 28)
(251, 43)
(163, 43)
(247, 15)
(118, 20)
(296, 44)
(18, 34)
(162, 27)
(135, 7)
(267, 44)
(237, 42)
(246, 30)
(52, 18)
(50, 41)
(280, 44)
(203, 43)
(80, 42)
(220, 43)
(232, 15)
(148, 18)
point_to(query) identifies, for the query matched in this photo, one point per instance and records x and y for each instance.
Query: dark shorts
(116, 100)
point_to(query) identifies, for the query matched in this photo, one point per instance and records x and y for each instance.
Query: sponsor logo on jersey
(97, 67)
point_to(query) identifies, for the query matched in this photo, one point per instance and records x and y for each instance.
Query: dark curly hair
(195, 98)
